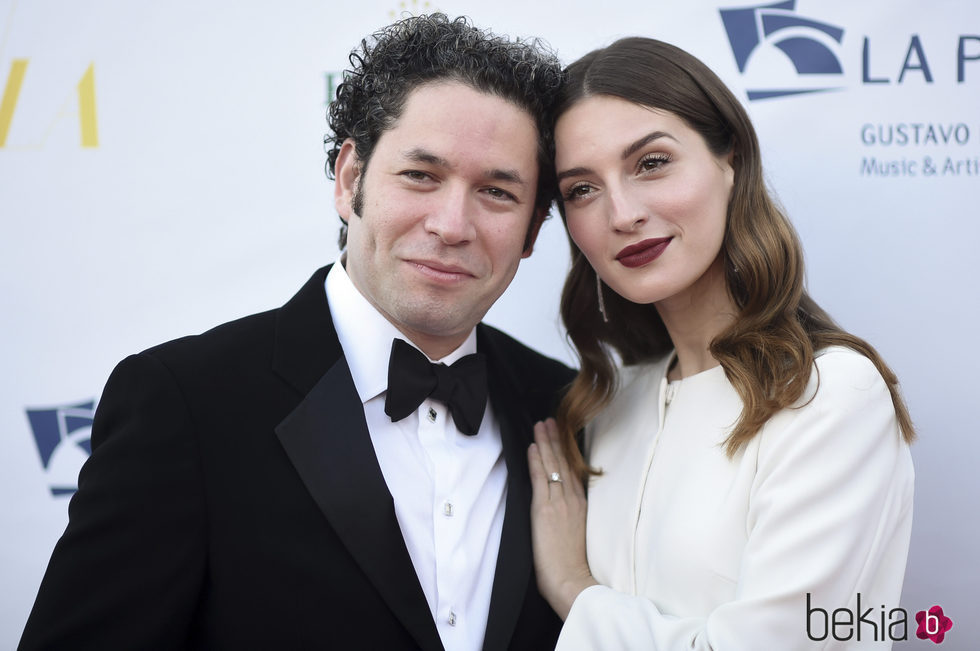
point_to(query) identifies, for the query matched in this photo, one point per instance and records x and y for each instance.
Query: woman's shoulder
(841, 373)
(845, 360)
(845, 401)
(845, 423)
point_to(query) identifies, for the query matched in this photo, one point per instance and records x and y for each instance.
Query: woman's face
(645, 199)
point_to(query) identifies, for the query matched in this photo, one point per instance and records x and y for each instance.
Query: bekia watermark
(881, 624)
(933, 624)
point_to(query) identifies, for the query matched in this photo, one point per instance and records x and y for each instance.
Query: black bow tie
(462, 387)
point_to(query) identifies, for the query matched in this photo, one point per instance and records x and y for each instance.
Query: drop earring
(602, 303)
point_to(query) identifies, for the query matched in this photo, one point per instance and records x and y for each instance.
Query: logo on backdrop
(63, 436)
(780, 53)
(808, 45)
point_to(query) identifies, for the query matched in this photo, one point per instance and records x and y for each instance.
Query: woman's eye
(577, 192)
(653, 162)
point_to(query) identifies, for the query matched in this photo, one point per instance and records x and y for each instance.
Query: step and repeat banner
(161, 171)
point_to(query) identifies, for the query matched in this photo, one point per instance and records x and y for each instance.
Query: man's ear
(347, 174)
(532, 234)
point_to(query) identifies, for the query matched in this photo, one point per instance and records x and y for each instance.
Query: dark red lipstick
(641, 253)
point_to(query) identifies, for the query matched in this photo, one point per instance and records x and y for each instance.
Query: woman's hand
(557, 522)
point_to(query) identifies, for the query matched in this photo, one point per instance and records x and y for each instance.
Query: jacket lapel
(327, 441)
(514, 559)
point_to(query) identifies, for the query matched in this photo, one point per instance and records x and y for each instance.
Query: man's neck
(435, 346)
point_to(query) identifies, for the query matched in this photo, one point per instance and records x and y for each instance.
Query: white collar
(365, 335)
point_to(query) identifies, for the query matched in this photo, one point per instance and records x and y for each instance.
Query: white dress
(694, 550)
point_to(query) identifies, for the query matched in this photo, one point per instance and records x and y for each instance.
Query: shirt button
(447, 509)
(432, 415)
(452, 618)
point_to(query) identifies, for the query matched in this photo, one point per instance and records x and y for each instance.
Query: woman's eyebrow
(645, 140)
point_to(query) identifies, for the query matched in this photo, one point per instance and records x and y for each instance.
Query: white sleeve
(829, 515)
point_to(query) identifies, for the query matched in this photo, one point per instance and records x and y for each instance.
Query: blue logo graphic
(63, 440)
(804, 41)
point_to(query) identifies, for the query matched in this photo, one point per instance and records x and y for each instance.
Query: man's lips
(641, 253)
(441, 270)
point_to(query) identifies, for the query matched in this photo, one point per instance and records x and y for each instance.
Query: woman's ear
(729, 165)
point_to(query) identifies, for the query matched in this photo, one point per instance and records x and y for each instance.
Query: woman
(751, 464)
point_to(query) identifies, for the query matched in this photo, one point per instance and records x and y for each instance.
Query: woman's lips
(641, 253)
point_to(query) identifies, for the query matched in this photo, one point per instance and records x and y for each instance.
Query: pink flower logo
(933, 624)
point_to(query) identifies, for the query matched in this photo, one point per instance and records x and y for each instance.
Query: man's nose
(452, 217)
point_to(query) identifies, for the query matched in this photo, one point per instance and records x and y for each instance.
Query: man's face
(448, 198)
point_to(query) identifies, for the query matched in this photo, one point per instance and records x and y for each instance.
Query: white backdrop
(161, 171)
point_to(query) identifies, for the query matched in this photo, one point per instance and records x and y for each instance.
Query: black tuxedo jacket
(233, 500)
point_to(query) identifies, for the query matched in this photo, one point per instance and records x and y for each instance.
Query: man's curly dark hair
(399, 58)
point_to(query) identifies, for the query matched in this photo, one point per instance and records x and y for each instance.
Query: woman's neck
(694, 318)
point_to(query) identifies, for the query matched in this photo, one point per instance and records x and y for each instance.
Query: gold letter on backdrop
(10, 93)
(86, 103)
(86, 108)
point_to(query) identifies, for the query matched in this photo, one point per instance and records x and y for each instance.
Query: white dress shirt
(449, 489)
(697, 551)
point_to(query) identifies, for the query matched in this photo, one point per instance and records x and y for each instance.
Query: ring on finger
(554, 478)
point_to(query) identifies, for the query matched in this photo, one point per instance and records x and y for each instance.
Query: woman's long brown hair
(768, 352)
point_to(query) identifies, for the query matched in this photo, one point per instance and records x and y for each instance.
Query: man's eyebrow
(645, 140)
(508, 176)
(420, 155)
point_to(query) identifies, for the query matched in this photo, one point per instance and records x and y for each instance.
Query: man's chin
(423, 322)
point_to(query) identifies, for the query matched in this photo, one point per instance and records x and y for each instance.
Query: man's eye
(497, 193)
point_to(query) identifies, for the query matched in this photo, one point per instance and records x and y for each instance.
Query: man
(263, 485)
